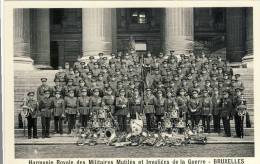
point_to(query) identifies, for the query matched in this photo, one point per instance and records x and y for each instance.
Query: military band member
(61, 75)
(58, 112)
(206, 110)
(76, 78)
(149, 109)
(45, 107)
(216, 107)
(135, 104)
(96, 102)
(239, 104)
(194, 106)
(31, 108)
(182, 102)
(160, 107)
(109, 100)
(69, 87)
(57, 87)
(83, 106)
(71, 110)
(122, 107)
(226, 112)
(42, 88)
(70, 74)
(238, 82)
(172, 107)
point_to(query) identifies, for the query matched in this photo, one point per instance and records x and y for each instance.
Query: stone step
(20, 133)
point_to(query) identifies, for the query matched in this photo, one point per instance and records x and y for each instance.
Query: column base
(43, 67)
(23, 63)
(248, 61)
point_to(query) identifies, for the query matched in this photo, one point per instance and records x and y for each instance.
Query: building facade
(46, 38)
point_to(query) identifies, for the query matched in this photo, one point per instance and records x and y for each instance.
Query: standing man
(194, 105)
(58, 112)
(83, 107)
(216, 107)
(122, 110)
(71, 110)
(206, 111)
(136, 104)
(45, 106)
(149, 109)
(225, 114)
(42, 88)
(160, 107)
(31, 107)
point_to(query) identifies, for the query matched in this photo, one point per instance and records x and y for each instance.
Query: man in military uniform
(96, 102)
(206, 110)
(216, 107)
(239, 111)
(31, 108)
(122, 107)
(71, 109)
(45, 107)
(58, 112)
(238, 82)
(194, 106)
(149, 109)
(42, 88)
(160, 107)
(109, 100)
(95, 70)
(76, 78)
(69, 87)
(135, 104)
(61, 75)
(226, 113)
(83, 107)
(70, 75)
(57, 87)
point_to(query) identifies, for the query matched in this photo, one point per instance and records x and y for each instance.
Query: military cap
(182, 55)
(95, 63)
(57, 92)
(44, 79)
(91, 57)
(109, 89)
(237, 75)
(123, 62)
(156, 69)
(195, 91)
(105, 58)
(160, 53)
(121, 90)
(214, 64)
(219, 57)
(70, 80)
(82, 63)
(159, 91)
(60, 67)
(117, 70)
(186, 57)
(207, 80)
(168, 70)
(225, 74)
(130, 66)
(182, 90)
(206, 63)
(148, 89)
(81, 81)
(119, 82)
(215, 89)
(30, 93)
(71, 69)
(172, 51)
(67, 63)
(183, 79)
(136, 90)
(112, 54)
(56, 80)
(100, 75)
(225, 92)
(238, 89)
(214, 75)
(84, 90)
(86, 67)
(71, 91)
(176, 75)
(220, 80)
(89, 73)
(193, 61)
(164, 62)
(178, 68)
(46, 91)
(100, 54)
(219, 68)
(194, 81)
(95, 90)
(76, 71)
(205, 91)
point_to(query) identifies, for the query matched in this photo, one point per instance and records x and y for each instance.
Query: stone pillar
(249, 57)
(96, 31)
(235, 34)
(114, 30)
(22, 59)
(178, 30)
(40, 38)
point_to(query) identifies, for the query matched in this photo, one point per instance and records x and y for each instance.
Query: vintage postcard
(130, 82)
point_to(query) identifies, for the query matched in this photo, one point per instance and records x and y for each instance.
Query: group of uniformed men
(195, 88)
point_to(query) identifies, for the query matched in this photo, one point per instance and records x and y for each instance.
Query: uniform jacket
(206, 103)
(109, 101)
(182, 103)
(40, 91)
(216, 105)
(71, 105)
(33, 107)
(45, 106)
(96, 103)
(120, 103)
(136, 105)
(149, 103)
(194, 106)
(58, 106)
(84, 105)
(226, 107)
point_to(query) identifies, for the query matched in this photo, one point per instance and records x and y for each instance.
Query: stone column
(249, 57)
(96, 31)
(40, 38)
(22, 59)
(235, 34)
(114, 30)
(178, 30)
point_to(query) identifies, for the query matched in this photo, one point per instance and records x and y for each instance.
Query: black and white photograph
(133, 82)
